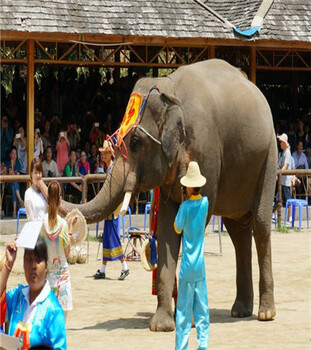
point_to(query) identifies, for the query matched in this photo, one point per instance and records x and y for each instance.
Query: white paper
(9, 343)
(29, 235)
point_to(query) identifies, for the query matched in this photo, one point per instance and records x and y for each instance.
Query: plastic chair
(300, 203)
(20, 211)
(133, 234)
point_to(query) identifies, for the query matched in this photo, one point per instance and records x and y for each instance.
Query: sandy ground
(112, 314)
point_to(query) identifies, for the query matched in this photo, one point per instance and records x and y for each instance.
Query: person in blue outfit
(112, 248)
(192, 292)
(33, 312)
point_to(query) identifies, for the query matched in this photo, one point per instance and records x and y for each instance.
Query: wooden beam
(30, 102)
(153, 40)
(253, 65)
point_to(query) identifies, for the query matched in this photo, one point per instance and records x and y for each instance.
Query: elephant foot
(242, 309)
(162, 321)
(266, 313)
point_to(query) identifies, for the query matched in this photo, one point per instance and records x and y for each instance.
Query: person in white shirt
(49, 165)
(38, 144)
(300, 158)
(285, 164)
(36, 195)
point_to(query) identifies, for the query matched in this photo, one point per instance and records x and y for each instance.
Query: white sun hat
(79, 229)
(193, 177)
(283, 138)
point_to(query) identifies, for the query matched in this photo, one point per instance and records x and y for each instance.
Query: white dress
(35, 204)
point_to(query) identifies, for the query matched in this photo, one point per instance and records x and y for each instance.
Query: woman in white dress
(36, 195)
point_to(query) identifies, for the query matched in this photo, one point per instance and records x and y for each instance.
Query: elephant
(208, 112)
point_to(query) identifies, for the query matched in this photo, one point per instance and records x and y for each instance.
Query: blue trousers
(192, 299)
(14, 188)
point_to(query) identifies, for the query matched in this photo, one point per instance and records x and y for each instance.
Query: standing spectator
(101, 165)
(70, 171)
(301, 135)
(11, 109)
(83, 165)
(36, 194)
(192, 294)
(73, 135)
(21, 144)
(93, 159)
(7, 135)
(49, 165)
(96, 135)
(56, 234)
(292, 136)
(285, 164)
(46, 137)
(38, 144)
(13, 167)
(300, 158)
(62, 151)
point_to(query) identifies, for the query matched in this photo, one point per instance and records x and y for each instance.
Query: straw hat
(283, 138)
(107, 147)
(146, 256)
(193, 176)
(79, 229)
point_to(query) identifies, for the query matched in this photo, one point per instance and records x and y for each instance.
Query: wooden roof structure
(286, 20)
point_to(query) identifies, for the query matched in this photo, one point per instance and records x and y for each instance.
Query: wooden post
(30, 102)
(212, 52)
(253, 64)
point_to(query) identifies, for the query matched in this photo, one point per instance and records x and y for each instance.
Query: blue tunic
(48, 324)
(191, 219)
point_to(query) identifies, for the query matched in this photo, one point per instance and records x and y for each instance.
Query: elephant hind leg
(262, 235)
(240, 232)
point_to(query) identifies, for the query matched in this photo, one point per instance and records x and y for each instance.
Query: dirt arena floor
(114, 315)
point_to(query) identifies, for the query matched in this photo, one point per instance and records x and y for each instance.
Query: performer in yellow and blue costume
(192, 291)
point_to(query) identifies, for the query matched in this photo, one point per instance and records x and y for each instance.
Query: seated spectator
(33, 311)
(101, 165)
(93, 158)
(71, 170)
(49, 165)
(62, 151)
(83, 165)
(299, 157)
(13, 167)
(87, 148)
(7, 135)
(308, 155)
(20, 143)
(38, 144)
(73, 135)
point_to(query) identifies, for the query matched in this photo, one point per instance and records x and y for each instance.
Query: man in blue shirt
(192, 293)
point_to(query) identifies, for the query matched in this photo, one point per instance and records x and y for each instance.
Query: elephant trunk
(109, 197)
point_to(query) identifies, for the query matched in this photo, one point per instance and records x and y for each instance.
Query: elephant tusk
(126, 202)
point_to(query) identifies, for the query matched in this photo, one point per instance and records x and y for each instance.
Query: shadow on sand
(143, 318)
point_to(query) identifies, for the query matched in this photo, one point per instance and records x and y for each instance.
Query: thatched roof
(286, 19)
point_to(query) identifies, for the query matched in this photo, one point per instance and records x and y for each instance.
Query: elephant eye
(135, 144)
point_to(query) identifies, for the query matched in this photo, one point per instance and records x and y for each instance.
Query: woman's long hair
(53, 202)
(36, 165)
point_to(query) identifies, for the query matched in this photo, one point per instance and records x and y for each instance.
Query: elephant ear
(173, 130)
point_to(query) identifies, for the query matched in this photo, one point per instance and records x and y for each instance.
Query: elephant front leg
(168, 250)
